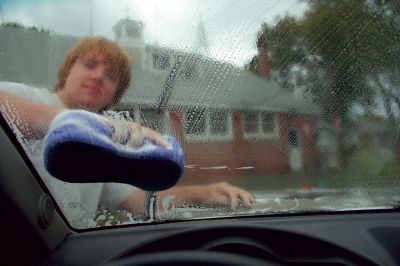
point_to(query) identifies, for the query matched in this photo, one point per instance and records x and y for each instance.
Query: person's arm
(31, 118)
(212, 195)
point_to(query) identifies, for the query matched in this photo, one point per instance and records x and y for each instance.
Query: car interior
(267, 125)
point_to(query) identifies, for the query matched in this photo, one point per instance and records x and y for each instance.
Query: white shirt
(78, 202)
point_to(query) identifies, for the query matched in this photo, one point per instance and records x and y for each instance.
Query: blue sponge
(78, 148)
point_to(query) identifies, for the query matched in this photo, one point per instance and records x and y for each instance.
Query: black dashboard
(315, 239)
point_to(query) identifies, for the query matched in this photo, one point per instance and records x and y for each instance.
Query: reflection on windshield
(295, 104)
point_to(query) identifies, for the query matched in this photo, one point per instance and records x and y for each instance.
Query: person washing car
(93, 77)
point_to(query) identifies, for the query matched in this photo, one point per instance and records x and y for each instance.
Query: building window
(293, 138)
(268, 122)
(250, 120)
(258, 125)
(152, 119)
(218, 122)
(134, 29)
(161, 61)
(195, 121)
(207, 125)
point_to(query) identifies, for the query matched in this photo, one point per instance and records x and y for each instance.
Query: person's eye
(89, 64)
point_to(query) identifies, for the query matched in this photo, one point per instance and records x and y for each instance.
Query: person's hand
(225, 194)
(219, 194)
(133, 134)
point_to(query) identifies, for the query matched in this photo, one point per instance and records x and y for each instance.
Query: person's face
(91, 84)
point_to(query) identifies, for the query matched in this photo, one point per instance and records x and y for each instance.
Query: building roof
(211, 83)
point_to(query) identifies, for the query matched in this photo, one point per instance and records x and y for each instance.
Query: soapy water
(287, 201)
(297, 201)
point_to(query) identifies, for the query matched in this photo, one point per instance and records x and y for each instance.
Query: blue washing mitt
(78, 148)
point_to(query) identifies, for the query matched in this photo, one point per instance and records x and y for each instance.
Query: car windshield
(280, 107)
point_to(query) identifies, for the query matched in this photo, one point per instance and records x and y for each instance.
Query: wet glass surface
(295, 102)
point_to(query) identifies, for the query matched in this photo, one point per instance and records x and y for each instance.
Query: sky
(230, 26)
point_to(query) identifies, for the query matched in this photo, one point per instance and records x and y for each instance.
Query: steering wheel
(186, 258)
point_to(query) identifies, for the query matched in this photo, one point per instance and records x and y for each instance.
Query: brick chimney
(263, 64)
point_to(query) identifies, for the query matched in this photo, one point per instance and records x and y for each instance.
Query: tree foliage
(285, 44)
(16, 25)
(346, 52)
(339, 46)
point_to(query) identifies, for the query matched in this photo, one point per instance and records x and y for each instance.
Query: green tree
(343, 47)
(286, 47)
(16, 25)
(352, 40)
